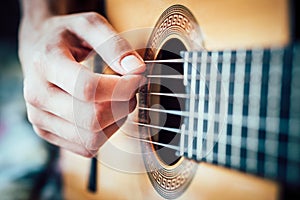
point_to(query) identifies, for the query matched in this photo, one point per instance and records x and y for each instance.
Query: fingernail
(131, 64)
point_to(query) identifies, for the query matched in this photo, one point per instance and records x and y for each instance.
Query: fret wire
(254, 90)
(192, 105)
(202, 69)
(262, 112)
(294, 149)
(229, 112)
(206, 122)
(245, 110)
(197, 134)
(237, 109)
(186, 73)
(224, 95)
(217, 109)
(285, 109)
(211, 104)
(274, 91)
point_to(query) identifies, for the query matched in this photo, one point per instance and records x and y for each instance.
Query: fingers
(116, 88)
(64, 134)
(109, 112)
(58, 141)
(98, 33)
(69, 105)
(86, 115)
(81, 83)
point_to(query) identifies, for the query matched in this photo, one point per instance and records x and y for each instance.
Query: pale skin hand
(50, 50)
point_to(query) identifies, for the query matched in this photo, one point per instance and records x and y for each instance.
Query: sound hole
(170, 50)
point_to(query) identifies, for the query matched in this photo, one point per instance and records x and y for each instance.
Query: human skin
(51, 48)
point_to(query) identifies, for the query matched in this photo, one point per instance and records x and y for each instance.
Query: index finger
(101, 36)
(83, 84)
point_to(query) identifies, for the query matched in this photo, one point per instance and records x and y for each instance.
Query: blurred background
(24, 158)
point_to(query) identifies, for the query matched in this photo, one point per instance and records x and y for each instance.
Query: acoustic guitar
(219, 117)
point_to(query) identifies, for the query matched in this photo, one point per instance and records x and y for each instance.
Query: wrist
(34, 13)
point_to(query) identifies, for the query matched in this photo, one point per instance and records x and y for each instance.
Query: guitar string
(177, 148)
(208, 60)
(228, 119)
(217, 98)
(231, 77)
(182, 113)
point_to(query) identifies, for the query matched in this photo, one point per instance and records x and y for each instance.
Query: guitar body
(122, 170)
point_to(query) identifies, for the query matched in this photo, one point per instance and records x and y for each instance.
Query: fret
(192, 85)
(237, 108)
(230, 112)
(217, 123)
(197, 98)
(295, 95)
(186, 73)
(245, 112)
(284, 114)
(202, 72)
(263, 113)
(213, 120)
(254, 99)
(206, 122)
(294, 147)
(272, 122)
(224, 106)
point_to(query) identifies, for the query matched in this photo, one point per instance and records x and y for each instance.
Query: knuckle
(42, 134)
(31, 95)
(34, 118)
(51, 21)
(38, 63)
(93, 142)
(50, 48)
(99, 111)
(131, 91)
(89, 90)
(132, 105)
(95, 124)
(86, 153)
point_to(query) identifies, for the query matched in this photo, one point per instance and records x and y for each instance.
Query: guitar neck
(243, 110)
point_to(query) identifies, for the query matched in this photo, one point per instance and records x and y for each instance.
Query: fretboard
(244, 110)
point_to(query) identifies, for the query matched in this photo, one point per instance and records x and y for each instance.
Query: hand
(67, 104)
